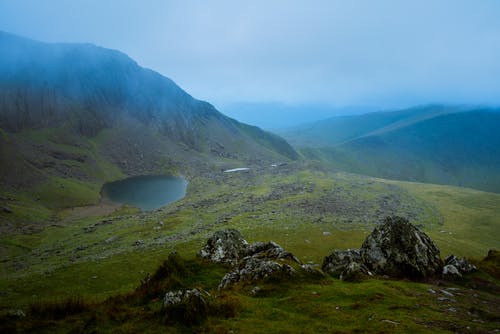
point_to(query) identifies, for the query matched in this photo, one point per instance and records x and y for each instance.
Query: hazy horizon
(382, 54)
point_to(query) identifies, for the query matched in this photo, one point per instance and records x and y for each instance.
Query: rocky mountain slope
(82, 112)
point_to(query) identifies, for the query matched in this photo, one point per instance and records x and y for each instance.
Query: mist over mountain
(435, 144)
(102, 104)
(279, 116)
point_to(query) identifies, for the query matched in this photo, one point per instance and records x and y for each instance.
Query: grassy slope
(459, 149)
(341, 129)
(72, 257)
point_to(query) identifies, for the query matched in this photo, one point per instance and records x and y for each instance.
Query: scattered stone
(255, 290)
(225, 246)
(463, 266)
(431, 291)
(355, 272)
(449, 294)
(253, 269)
(451, 272)
(138, 243)
(337, 262)
(326, 233)
(16, 313)
(6, 209)
(111, 239)
(185, 306)
(398, 249)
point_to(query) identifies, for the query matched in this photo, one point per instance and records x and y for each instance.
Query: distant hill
(82, 112)
(279, 116)
(436, 144)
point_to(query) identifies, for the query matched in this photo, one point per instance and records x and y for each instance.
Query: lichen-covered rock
(311, 270)
(225, 246)
(451, 272)
(270, 250)
(335, 263)
(253, 269)
(355, 272)
(185, 306)
(462, 264)
(398, 249)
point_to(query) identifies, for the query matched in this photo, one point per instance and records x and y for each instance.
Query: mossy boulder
(253, 269)
(337, 262)
(399, 249)
(225, 246)
(270, 250)
(185, 306)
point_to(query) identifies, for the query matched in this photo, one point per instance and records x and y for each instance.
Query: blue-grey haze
(383, 53)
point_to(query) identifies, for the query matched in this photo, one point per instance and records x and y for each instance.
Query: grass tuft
(59, 309)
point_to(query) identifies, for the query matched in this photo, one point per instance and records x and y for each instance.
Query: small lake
(146, 192)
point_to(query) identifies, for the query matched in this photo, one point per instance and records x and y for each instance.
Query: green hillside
(460, 148)
(340, 129)
(73, 116)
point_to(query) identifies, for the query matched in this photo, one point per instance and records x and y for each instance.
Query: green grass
(73, 257)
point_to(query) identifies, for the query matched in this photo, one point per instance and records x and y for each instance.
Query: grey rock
(337, 262)
(270, 250)
(399, 249)
(253, 269)
(256, 290)
(186, 306)
(225, 246)
(6, 209)
(451, 272)
(312, 270)
(16, 313)
(463, 266)
(355, 272)
(111, 239)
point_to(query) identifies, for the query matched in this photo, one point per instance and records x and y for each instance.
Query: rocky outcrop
(355, 272)
(451, 272)
(337, 262)
(398, 249)
(185, 306)
(463, 266)
(225, 246)
(253, 269)
(270, 250)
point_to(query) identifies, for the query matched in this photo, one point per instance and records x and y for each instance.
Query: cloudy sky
(379, 53)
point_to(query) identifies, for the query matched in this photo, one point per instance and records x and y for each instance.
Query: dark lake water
(146, 192)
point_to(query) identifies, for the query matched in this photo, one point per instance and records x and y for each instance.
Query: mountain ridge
(83, 112)
(443, 145)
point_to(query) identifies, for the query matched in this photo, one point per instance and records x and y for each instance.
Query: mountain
(278, 116)
(339, 129)
(436, 144)
(86, 113)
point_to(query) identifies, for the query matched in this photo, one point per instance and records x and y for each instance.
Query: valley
(82, 126)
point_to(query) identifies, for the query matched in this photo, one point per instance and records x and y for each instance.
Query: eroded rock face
(398, 249)
(185, 306)
(462, 265)
(253, 269)
(225, 246)
(270, 250)
(355, 272)
(451, 272)
(337, 262)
